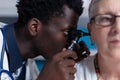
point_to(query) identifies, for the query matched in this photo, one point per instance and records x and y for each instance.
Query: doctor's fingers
(65, 55)
(67, 62)
(69, 73)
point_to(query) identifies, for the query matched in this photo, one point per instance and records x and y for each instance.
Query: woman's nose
(116, 25)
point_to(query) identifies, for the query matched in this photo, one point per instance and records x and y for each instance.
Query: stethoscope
(2, 57)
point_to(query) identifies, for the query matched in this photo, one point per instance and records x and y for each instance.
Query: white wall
(8, 9)
(83, 20)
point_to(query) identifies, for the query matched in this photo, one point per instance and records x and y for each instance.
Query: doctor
(41, 29)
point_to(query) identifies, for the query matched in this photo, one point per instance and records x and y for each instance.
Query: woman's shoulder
(85, 69)
(87, 61)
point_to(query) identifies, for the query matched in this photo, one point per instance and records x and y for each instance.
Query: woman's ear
(89, 27)
(34, 26)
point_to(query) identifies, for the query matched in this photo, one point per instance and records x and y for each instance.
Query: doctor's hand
(59, 67)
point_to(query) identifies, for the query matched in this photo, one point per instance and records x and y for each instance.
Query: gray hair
(92, 7)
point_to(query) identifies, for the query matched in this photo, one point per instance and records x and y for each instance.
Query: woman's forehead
(107, 6)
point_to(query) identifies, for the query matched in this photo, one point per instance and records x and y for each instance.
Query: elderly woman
(104, 27)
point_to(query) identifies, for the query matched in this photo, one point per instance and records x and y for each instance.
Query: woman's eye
(106, 19)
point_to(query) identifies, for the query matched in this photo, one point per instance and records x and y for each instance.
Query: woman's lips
(115, 41)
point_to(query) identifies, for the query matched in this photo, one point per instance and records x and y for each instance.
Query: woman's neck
(109, 67)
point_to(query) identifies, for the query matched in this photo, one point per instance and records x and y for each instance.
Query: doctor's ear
(34, 26)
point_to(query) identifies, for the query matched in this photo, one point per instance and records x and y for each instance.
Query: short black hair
(44, 9)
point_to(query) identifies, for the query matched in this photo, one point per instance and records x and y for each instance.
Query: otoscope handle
(71, 47)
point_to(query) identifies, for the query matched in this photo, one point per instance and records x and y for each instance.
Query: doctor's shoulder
(2, 24)
(1, 35)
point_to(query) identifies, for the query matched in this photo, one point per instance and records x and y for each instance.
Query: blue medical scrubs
(14, 57)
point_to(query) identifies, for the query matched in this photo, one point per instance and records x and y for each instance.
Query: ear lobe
(34, 26)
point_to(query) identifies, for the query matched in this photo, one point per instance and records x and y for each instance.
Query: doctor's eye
(66, 33)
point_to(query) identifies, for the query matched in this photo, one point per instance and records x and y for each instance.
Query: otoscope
(75, 36)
